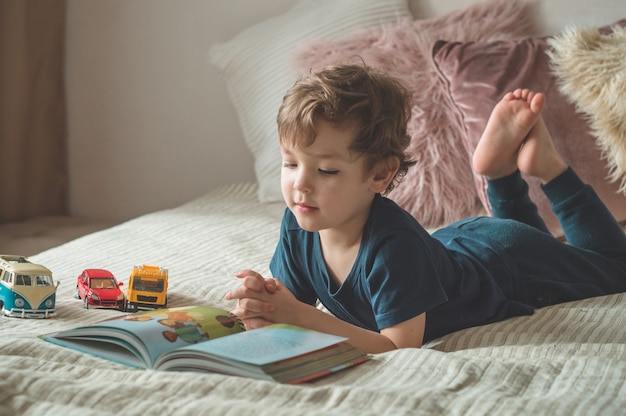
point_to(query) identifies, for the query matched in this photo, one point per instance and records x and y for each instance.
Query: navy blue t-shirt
(460, 279)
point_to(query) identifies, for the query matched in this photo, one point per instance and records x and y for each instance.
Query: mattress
(568, 359)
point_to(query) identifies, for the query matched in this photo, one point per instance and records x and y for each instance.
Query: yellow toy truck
(147, 288)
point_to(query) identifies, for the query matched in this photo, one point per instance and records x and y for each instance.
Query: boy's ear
(384, 172)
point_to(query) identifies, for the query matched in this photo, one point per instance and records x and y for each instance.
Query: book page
(154, 332)
(267, 345)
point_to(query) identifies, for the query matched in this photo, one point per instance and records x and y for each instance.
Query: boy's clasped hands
(261, 301)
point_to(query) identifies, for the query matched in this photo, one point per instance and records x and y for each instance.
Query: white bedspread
(564, 360)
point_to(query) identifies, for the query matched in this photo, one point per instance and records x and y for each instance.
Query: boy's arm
(407, 334)
(257, 305)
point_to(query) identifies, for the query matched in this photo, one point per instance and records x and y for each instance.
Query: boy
(388, 283)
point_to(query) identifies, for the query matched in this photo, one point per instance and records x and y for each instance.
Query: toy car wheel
(86, 302)
(76, 294)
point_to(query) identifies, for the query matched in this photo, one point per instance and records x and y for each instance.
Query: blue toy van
(27, 290)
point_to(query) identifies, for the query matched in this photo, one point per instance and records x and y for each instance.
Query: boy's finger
(270, 285)
(247, 272)
(253, 283)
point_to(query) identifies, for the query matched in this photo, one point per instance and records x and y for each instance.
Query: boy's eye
(328, 172)
(289, 165)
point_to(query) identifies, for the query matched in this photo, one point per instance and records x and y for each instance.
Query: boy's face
(325, 185)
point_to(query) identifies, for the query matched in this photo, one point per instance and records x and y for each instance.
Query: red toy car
(99, 288)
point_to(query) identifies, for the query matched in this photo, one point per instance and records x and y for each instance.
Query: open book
(202, 338)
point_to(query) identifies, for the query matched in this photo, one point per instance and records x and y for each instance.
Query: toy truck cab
(27, 290)
(147, 288)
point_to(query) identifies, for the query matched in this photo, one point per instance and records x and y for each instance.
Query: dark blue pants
(591, 263)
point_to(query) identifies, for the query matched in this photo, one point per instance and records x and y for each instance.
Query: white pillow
(259, 67)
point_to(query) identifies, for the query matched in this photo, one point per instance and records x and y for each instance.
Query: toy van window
(22, 280)
(8, 277)
(44, 280)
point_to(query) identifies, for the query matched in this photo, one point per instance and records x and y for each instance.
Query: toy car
(27, 290)
(147, 288)
(99, 288)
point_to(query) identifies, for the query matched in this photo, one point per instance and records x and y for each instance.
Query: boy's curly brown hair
(351, 93)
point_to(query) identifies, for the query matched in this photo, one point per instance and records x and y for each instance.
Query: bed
(566, 359)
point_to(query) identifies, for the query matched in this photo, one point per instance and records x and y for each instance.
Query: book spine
(329, 371)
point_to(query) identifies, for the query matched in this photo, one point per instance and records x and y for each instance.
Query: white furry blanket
(592, 71)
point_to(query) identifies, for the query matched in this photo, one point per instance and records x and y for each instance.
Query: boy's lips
(304, 207)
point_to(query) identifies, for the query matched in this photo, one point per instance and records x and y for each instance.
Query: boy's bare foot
(509, 123)
(538, 157)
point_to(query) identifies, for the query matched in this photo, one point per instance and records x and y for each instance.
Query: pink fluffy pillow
(440, 188)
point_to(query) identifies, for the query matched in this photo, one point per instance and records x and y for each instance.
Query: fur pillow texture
(439, 188)
(257, 66)
(591, 67)
(477, 74)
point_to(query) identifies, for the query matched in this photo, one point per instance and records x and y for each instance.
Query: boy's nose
(302, 182)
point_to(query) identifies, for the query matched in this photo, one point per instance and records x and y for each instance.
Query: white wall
(553, 16)
(150, 122)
